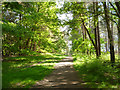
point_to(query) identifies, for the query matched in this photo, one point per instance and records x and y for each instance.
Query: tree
(110, 36)
(96, 28)
(117, 10)
(31, 26)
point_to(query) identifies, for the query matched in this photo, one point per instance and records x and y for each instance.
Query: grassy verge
(97, 73)
(18, 72)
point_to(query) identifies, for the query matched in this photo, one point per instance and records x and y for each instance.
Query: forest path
(64, 76)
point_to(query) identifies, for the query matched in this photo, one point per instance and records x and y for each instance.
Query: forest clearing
(60, 44)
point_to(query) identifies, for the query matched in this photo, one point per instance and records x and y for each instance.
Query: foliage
(31, 30)
(31, 27)
(97, 73)
(81, 46)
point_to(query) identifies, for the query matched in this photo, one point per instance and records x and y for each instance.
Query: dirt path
(64, 76)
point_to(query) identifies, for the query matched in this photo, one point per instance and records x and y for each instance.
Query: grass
(18, 72)
(97, 73)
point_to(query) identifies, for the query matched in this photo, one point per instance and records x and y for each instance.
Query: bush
(93, 70)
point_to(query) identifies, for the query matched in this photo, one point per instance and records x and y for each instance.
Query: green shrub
(94, 70)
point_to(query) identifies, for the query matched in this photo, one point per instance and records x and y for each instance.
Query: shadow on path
(64, 76)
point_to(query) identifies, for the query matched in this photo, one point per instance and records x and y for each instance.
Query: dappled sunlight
(46, 64)
(97, 73)
(75, 82)
(65, 62)
(63, 76)
(62, 64)
(27, 76)
(29, 61)
(63, 83)
(23, 83)
(60, 44)
(25, 73)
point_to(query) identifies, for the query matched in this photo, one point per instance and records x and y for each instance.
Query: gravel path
(64, 76)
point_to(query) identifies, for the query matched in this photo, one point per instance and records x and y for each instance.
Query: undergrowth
(97, 73)
(18, 72)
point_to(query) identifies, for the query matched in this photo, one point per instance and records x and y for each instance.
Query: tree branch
(88, 34)
(118, 14)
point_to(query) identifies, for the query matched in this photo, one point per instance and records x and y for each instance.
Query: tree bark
(106, 40)
(110, 36)
(95, 32)
(118, 26)
(117, 10)
(83, 33)
(20, 47)
(98, 32)
(96, 29)
(118, 39)
(99, 46)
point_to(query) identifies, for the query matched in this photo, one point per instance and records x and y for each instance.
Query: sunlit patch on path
(64, 76)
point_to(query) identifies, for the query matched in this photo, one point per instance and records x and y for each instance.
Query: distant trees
(35, 27)
(31, 26)
(96, 29)
(86, 29)
(116, 8)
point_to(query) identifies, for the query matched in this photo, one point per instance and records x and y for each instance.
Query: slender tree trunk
(106, 40)
(20, 47)
(82, 27)
(110, 36)
(117, 10)
(94, 19)
(112, 30)
(99, 46)
(98, 32)
(96, 29)
(96, 44)
(83, 35)
(119, 39)
(118, 7)
(118, 26)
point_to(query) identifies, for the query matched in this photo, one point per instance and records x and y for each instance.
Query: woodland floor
(64, 76)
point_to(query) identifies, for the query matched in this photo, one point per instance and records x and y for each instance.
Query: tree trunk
(96, 29)
(98, 32)
(118, 26)
(83, 34)
(106, 40)
(99, 46)
(20, 37)
(118, 39)
(110, 36)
